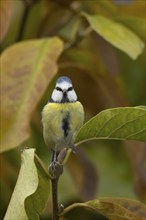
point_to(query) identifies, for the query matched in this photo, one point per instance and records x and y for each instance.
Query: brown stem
(55, 198)
(56, 170)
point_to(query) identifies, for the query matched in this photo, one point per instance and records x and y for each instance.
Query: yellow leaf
(26, 185)
(32, 189)
(26, 70)
(117, 34)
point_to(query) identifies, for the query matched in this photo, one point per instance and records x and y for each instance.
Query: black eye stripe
(58, 89)
(70, 88)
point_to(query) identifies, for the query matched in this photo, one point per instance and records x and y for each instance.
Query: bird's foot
(55, 169)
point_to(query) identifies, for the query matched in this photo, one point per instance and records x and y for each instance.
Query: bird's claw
(55, 169)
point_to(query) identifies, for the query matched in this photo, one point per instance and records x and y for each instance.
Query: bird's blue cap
(62, 79)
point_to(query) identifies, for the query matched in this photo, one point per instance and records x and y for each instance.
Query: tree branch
(55, 170)
(55, 198)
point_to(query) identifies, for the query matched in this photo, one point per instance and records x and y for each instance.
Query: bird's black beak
(65, 98)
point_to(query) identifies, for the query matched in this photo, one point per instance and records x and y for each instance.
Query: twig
(55, 170)
(55, 198)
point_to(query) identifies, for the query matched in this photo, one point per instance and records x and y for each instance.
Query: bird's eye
(58, 89)
(70, 88)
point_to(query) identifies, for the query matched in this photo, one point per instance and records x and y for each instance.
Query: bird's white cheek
(72, 96)
(57, 96)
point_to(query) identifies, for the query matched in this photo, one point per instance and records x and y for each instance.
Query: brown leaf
(114, 208)
(121, 208)
(116, 34)
(26, 70)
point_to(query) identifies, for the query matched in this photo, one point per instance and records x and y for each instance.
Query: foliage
(35, 184)
(43, 55)
(114, 208)
(119, 123)
(100, 46)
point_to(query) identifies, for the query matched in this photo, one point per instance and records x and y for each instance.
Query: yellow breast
(61, 122)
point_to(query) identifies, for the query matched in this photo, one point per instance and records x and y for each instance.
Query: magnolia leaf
(136, 24)
(117, 34)
(114, 208)
(26, 70)
(35, 203)
(125, 123)
(6, 9)
(31, 191)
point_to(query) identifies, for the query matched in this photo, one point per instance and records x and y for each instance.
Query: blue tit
(62, 117)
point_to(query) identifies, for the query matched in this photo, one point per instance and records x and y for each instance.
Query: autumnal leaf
(113, 208)
(37, 201)
(116, 34)
(26, 70)
(125, 123)
(6, 9)
(31, 191)
(134, 23)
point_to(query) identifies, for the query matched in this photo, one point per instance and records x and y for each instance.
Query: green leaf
(134, 23)
(114, 208)
(117, 34)
(26, 70)
(31, 191)
(125, 123)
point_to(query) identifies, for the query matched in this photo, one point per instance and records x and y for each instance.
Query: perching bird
(62, 117)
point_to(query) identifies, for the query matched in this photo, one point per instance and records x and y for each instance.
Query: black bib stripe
(65, 124)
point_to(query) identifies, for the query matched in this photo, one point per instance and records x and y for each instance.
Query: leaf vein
(106, 122)
(135, 133)
(127, 122)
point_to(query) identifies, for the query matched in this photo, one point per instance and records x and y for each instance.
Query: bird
(62, 117)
